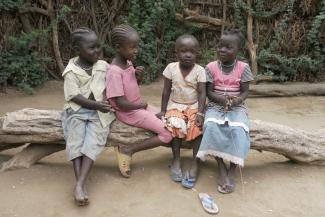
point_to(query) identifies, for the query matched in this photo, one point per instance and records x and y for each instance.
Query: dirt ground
(271, 186)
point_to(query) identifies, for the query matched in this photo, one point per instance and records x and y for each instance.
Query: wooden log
(43, 129)
(288, 90)
(30, 155)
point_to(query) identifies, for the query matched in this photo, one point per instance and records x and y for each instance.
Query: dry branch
(42, 128)
(192, 16)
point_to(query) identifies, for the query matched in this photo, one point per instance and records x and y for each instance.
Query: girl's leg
(195, 161)
(154, 124)
(78, 193)
(76, 166)
(176, 146)
(86, 166)
(223, 173)
(231, 176)
(175, 169)
(150, 143)
(148, 121)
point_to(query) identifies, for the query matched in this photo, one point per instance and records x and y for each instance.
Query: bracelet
(200, 114)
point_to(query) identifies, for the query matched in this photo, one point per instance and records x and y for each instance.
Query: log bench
(42, 131)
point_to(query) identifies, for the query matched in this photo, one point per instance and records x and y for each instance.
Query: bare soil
(271, 185)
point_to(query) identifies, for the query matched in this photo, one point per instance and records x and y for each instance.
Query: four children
(87, 114)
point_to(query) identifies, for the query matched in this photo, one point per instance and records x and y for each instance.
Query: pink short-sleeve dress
(123, 82)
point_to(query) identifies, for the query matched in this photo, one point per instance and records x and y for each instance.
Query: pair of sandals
(186, 180)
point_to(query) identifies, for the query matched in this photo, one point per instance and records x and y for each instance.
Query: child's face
(130, 49)
(228, 48)
(90, 48)
(186, 52)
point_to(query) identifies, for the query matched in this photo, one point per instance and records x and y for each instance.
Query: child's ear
(118, 46)
(76, 49)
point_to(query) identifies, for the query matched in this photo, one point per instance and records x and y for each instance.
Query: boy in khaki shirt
(87, 116)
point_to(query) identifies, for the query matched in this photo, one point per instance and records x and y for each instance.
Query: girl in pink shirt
(226, 124)
(123, 92)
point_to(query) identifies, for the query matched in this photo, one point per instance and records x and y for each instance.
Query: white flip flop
(208, 203)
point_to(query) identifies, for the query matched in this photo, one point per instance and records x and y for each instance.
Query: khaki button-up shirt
(78, 81)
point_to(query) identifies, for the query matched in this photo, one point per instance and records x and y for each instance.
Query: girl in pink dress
(123, 92)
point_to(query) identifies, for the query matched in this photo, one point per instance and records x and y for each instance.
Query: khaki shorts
(83, 133)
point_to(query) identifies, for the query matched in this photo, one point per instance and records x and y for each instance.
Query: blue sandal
(208, 203)
(176, 176)
(188, 182)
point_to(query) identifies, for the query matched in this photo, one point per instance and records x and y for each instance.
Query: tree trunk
(288, 90)
(251, 46)
(55, 37)
(42, 128)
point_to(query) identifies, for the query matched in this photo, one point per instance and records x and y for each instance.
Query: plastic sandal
(176, 176)
(124, 162)
(188, 182)
(208, 203)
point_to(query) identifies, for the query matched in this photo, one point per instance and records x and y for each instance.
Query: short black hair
(186, 36)
(238, 34)
(120, 33)
(79, 35)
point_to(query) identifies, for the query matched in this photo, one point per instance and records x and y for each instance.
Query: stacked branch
(190, 17)
(41, 130)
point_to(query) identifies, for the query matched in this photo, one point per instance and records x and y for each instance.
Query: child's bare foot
(79, 195)
(85, 193)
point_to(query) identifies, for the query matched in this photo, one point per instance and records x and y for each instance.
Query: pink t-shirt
(227, 84)
(122, 82)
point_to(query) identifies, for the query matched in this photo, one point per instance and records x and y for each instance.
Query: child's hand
(227, 103)
(104, 106)
(160, 114)
(139, 72)
(199, 120)
(236, 101)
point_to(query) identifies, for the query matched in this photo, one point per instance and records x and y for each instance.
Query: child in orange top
(183, 102)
